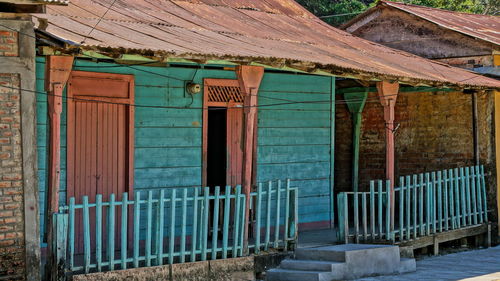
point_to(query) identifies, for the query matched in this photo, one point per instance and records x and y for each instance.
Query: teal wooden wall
(294, 139)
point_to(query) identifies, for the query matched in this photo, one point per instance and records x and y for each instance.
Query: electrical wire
(130, 66)
(152, 106)
(290, 102)
(341, 15)
(98, 22)
(120, 65)
(92, 57)
(183, 107)
(178, 79)
(138, 69)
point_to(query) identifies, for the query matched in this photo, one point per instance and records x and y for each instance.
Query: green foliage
(336, 12)
(469, 6)
(343, 10)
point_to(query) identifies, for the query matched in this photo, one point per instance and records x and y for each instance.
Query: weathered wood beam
(401, 90)
(364, 19)
(497, 151)
(446, 236)
(332, 152)
(249, 79)
(57, 71)
(475, 128)
(388, 93)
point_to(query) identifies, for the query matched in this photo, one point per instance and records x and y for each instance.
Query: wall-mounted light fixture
(193, 88)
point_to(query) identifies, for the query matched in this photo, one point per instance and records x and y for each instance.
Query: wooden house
(463, 40)
(215, 123)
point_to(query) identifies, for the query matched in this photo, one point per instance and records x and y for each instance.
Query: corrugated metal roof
(264, 31)
(54, 1)
(483, 27)
(58, 2)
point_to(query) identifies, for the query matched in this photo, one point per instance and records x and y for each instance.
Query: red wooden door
(234, 140)
(100, 138)
(99, 150)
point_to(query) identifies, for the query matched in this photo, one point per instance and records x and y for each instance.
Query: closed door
(100, 139)
(99, 150)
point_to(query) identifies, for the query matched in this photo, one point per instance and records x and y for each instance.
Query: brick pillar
(11, 187)
(19, 234)
(9, 46)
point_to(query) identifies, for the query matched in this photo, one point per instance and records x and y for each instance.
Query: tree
(490, 7)
(336, 12)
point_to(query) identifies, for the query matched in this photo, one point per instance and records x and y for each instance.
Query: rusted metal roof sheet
(24, 2)
(273, 32)
(483, 27)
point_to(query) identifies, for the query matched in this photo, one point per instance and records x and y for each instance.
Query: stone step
(341, 262)
(319, 254)
(407, 265)
(310, 265)
(349, 253)
(280, 274)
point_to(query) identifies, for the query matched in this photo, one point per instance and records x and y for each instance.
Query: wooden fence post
(60, 230)
(294, 224)
(342, 205)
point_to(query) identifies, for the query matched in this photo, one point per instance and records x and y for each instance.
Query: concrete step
(342, 262)
(320, 254)
(310, 265)
(368, 260)
(279, 274)
(349, 253)
(407, 265)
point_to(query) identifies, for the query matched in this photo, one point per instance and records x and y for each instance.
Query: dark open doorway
(216, 144)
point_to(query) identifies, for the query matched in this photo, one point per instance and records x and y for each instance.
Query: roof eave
(361, 16)
(268, 62)
(389, 5)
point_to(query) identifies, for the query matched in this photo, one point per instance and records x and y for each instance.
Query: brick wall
(435, 133)
(11, 186)
(9, 43)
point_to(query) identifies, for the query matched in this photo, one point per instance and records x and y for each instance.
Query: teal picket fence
(174, 226)
(425, 204)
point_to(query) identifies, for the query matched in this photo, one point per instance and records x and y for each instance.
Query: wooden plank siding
(293, 139)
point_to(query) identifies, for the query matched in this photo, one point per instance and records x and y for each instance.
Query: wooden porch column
(388, 93)
(249, 78)
(355, 104)
(57, 70)
(496, 62)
